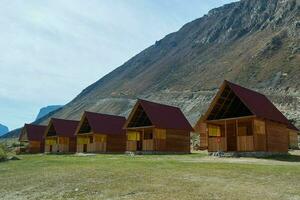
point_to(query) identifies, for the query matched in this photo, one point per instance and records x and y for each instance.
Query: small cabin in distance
(60, 136)
(153, 127)
(32, 138)
(242, 120)
(101, 133)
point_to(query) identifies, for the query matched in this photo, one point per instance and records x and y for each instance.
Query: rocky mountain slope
(3, 129)
(46, 110)
(255, 43)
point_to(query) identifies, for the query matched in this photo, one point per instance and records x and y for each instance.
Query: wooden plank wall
(55, 148)
(259, 133)
(116, 143)
(245, 143)
(203, 135)
(34, 147)
(178, 141)
(159, 145)
(148, 145)
(214, 146)
(72, 145)
(277, 137)
(131, 145)
(293, 139)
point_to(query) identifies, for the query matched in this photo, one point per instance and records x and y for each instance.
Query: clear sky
(51, 50)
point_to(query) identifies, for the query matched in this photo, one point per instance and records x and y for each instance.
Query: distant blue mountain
(3, 129)
(46, 110)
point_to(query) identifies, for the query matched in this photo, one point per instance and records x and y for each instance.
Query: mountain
(255, 43)
(3, 129)
(46, 110)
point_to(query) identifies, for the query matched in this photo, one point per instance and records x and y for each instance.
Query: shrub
(3, 154)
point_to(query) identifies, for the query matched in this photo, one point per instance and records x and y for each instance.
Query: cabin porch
(243, 134)
(91, 143)
(146, 139)
(57, 144)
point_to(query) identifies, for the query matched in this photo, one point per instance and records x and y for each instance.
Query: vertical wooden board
(231, 137)
(260, 136)
(131, 146)
(148, 145)
(245, 143)
(203, 136)
(215, 146)
(72, 145)
(277, 137)
(79, 148)
(293, 139)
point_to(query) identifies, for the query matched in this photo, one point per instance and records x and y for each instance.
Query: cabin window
(51, 141)
(148, 136)
(214, 131)
(133, 136)
(259, 127)
(245, 128)
(82, 140)
(91, 139)
(242, 130)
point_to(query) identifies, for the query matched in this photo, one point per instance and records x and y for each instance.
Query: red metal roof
(65, 128)
(106, 124)
(258, 104)
(34, 132)
(291, 126)
(164, 116)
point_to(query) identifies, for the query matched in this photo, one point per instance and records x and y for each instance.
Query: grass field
(194, 176)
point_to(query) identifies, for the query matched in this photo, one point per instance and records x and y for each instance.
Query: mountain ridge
(197, 50)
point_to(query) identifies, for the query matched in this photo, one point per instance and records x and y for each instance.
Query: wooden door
(50, 148)
(84, 148)
(231, 137)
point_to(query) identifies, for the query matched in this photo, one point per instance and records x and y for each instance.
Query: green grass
(194, 176)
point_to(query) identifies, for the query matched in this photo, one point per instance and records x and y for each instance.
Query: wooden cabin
(242, 120)
(32, 138)
(101, 133)
(60, 136)
(153, 127)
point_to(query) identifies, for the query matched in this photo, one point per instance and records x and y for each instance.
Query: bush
(3, 154)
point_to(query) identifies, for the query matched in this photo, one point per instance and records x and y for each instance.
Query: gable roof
(34, 132)
(163, 116)
(257, 103)
(63, 127)
(292, 127)
(103, 123)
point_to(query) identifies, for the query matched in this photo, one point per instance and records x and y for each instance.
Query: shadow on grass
(286, 158)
